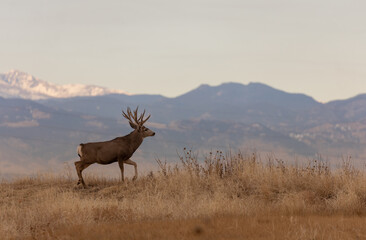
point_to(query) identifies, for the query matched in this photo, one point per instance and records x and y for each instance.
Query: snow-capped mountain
(17, 84)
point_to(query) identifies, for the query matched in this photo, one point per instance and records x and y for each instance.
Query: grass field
(226, 196)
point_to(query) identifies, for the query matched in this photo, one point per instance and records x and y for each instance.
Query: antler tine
(142, 116)
(144, 121)
(128, 115)
(131, 114)
(135, 115)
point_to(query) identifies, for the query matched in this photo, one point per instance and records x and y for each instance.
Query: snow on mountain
(17, 84)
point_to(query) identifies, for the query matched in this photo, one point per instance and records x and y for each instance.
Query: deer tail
(79, 150)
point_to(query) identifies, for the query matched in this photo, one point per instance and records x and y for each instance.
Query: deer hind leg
(80, 166)
(120, 163)
(130, 162)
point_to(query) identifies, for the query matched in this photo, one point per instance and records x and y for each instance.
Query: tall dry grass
(223, 186)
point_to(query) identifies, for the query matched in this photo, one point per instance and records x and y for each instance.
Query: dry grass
(224, 197)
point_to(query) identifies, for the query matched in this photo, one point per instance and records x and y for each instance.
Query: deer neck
(136, 139)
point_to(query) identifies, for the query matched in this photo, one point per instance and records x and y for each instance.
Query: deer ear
(134, 126)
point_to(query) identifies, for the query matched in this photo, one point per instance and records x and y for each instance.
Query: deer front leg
(120, 163)
(130, 162)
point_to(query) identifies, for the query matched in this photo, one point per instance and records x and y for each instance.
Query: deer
(118, 150)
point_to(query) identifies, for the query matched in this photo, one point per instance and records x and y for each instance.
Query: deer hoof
(134, 178)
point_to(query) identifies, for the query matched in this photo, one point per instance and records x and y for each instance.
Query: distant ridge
(239, 94)
(18, 84)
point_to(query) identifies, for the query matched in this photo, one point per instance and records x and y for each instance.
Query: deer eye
(146, 129)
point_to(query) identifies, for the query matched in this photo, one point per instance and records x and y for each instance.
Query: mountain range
(40, 133)
(17, 84)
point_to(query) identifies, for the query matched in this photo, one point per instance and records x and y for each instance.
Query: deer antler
(132, 116)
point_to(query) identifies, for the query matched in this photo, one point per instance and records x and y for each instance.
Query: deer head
(137, 123)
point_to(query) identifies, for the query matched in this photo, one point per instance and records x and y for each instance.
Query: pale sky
(316, 47)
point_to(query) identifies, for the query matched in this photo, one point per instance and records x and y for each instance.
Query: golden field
(226, 196)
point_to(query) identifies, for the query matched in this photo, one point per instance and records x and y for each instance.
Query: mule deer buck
(118, 150)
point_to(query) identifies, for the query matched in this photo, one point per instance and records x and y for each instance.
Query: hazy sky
(317, 47)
